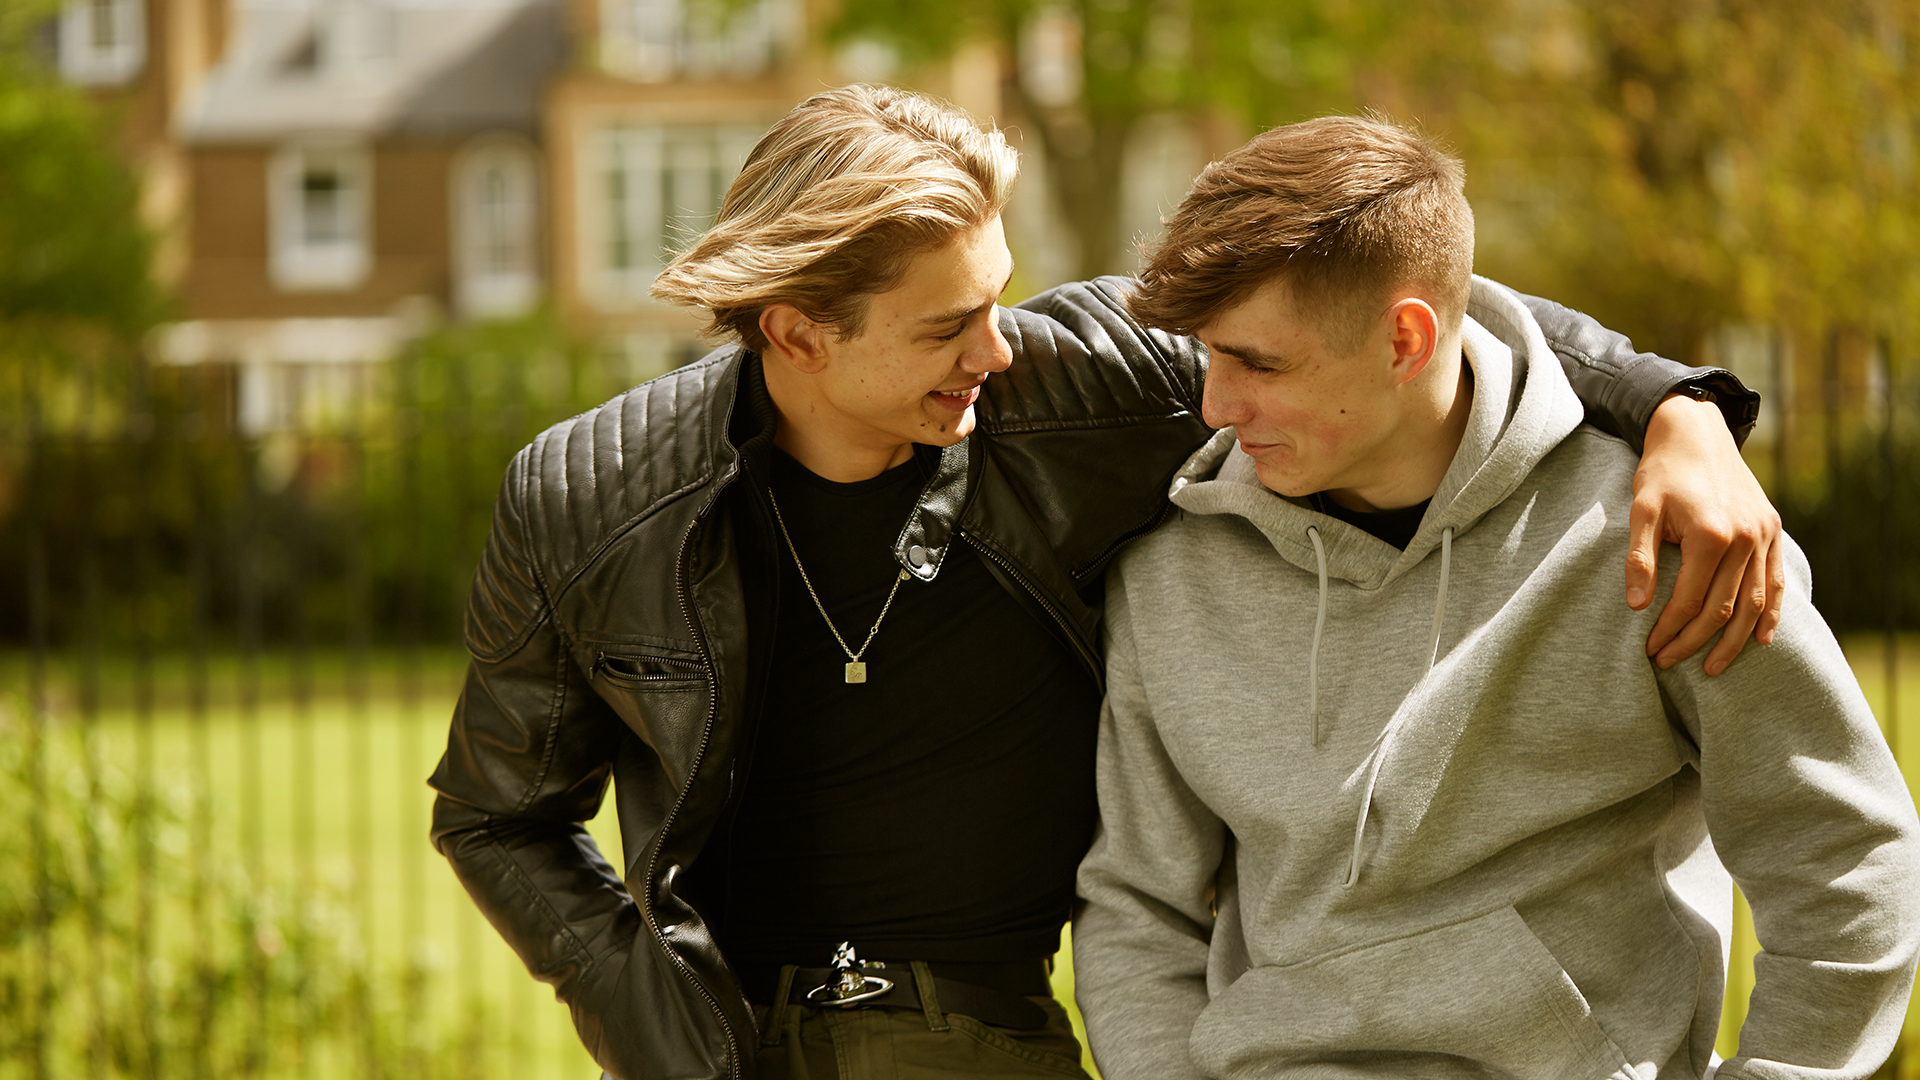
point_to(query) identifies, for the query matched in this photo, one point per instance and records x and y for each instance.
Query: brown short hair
(1345, 208)
(833, 204)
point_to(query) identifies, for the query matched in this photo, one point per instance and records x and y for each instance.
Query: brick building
(333, 176)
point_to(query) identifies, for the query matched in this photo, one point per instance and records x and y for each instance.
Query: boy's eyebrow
(1249, 353)
(955, 316)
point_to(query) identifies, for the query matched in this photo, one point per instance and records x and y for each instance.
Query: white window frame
(640, 38)
(484, 286)
(662, 40)
(297, 260)
(87, 62)
(356, 35)
(651, 189)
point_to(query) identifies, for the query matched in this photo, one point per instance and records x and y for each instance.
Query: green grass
(327, 784)
(332, 789)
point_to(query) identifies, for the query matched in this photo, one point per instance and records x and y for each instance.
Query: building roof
(374, 68)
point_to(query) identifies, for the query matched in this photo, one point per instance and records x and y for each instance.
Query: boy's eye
(957, 331)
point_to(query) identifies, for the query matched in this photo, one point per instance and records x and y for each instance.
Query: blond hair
(1345, 208)
(833, 204)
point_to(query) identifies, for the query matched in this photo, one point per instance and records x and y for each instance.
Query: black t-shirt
(1396, 527)
(937, 811)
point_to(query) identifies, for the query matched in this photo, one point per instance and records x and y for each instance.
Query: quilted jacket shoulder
(1087, 363)
(584, 482)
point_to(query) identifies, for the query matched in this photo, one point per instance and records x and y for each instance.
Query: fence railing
(227, 660)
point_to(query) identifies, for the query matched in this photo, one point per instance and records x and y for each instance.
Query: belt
(990, 993)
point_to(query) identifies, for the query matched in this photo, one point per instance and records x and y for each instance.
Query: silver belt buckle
(854, 984)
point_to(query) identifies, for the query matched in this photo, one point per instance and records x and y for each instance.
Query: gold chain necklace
(856, 671)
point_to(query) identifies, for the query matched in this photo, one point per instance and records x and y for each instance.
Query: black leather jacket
(614, 614)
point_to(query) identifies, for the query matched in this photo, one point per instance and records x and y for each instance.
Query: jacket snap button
(917, 555)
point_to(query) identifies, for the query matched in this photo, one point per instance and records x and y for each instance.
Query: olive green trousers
(798, 1042)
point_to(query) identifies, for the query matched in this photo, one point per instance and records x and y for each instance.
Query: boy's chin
(946, 431)
(1291, 485)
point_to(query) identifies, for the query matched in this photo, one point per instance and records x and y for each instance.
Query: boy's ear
(1415, 330)
(793, 338)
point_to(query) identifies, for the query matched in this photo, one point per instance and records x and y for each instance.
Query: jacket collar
(752, 419)
(929, 532)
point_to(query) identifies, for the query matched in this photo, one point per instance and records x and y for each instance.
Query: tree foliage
(365, 528)
(1088, 73)
(1669, 164)
(1678, 166)
(72, 248)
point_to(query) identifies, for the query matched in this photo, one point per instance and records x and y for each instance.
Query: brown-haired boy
(1388, 785)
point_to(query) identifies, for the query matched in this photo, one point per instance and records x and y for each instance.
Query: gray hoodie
(1433, 813)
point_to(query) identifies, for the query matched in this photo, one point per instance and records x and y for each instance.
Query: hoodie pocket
(1472, 999)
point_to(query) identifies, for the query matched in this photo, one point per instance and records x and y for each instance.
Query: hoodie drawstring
(1440, 601)
(1383, 744)
(1313, 655)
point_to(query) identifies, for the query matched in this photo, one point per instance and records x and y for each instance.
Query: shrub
(126, 950)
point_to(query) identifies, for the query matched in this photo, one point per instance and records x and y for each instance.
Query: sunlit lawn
(331, 783)
(336, 788)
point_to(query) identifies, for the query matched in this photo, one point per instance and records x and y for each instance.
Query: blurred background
(284, 283)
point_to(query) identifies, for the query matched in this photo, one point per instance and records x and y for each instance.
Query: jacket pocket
(1478, 998)
(662, 697)
(648, 672)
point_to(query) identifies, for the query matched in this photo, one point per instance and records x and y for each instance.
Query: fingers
(1643, 553)
(1693, 487)
(1749, 607)
(1776, 592)
(1711, 598)
(1701, 553)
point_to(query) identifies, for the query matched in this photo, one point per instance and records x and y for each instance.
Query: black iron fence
(227, 656)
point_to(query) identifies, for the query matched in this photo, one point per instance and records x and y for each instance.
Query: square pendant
(856, 672)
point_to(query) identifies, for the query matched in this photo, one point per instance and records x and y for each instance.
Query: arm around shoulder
(1692, 486)
(1089, 325)
(1621, 386)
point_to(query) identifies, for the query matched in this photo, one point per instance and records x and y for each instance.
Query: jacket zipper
(1093, 663)
(603, 662)
(666, 824)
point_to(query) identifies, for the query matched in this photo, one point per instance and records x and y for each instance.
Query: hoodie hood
(1522, 407)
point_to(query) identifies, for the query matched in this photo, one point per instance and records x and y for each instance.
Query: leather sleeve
(528, 758)
(1621, 387)
(1090, 325)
